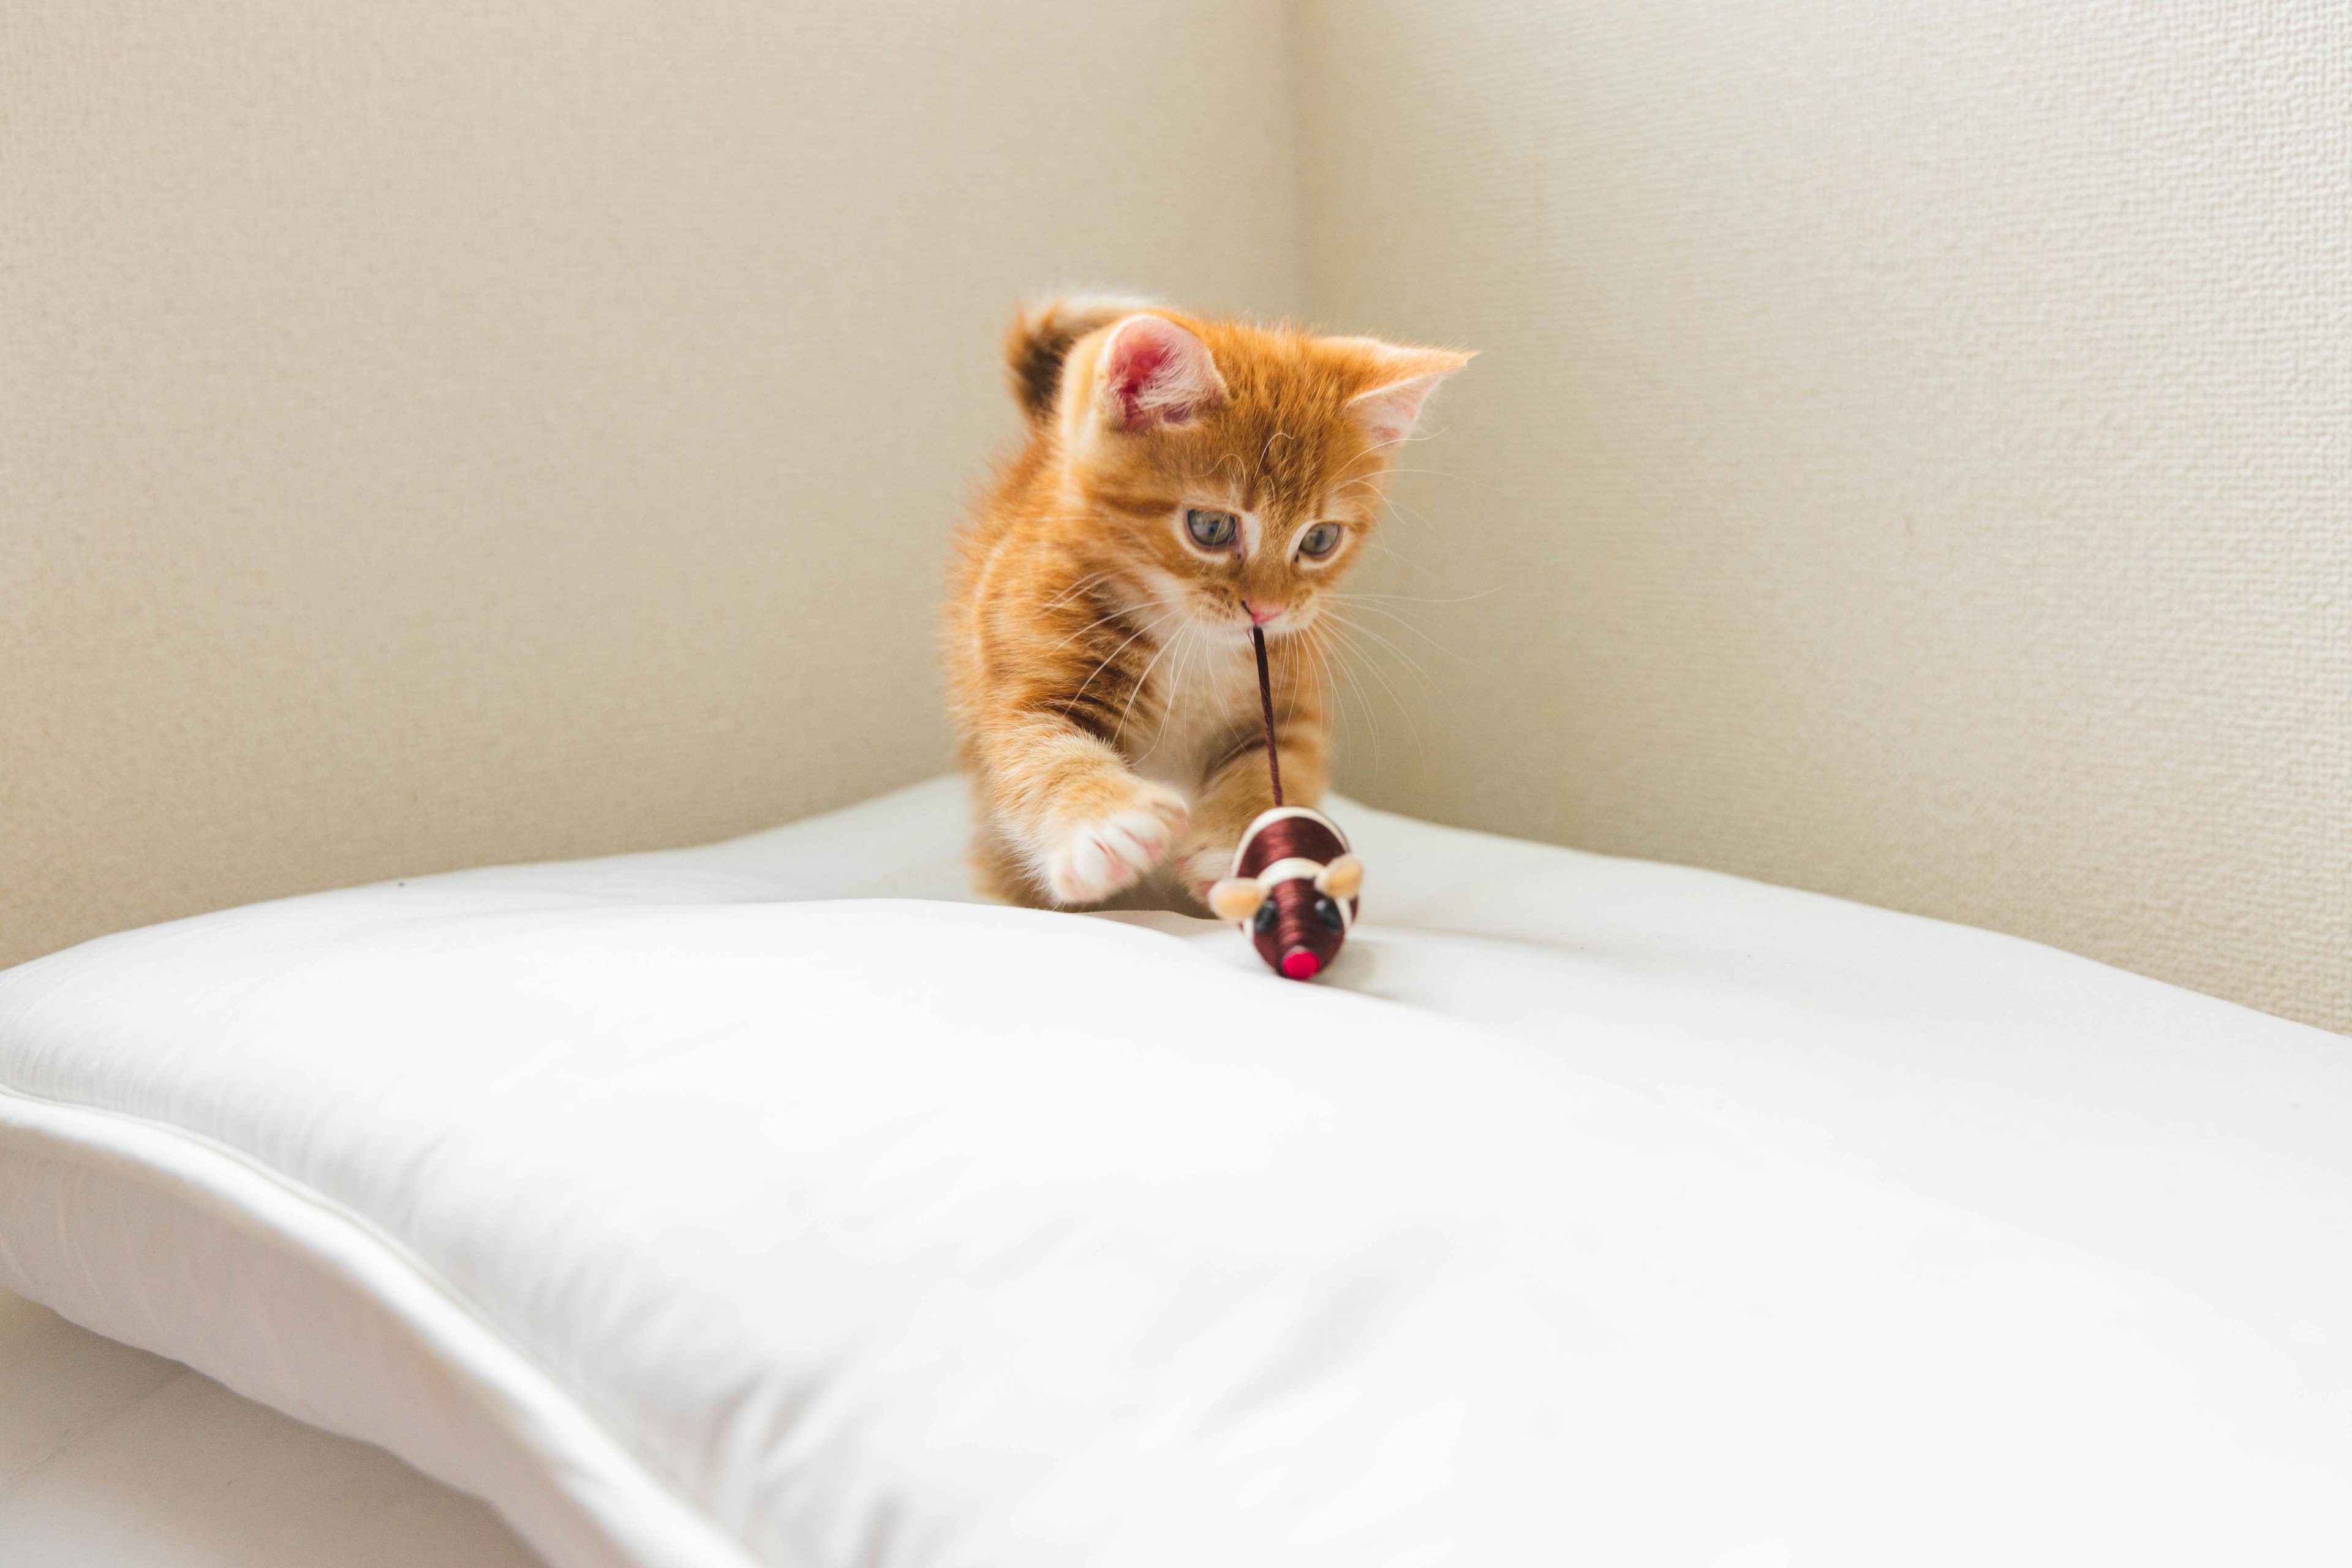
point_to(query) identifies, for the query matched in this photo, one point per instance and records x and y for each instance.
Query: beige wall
(1912, 457)
(433, 434)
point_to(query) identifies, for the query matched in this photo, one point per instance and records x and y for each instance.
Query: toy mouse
(1292, 889)
(1293, 886)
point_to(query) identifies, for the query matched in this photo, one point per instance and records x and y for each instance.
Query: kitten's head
(1227, 473)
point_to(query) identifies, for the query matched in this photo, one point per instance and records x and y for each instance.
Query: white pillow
(696, 1212)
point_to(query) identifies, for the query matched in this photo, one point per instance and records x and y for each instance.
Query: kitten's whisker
(1297, 663)
(1270, 441)
(1373, 450)
(1380, 672)
(1178, 681)
(1459, 479)
(1140, 682)
(1356, 662)
(1362, 630)
(1330, 683)
(1461, 659)
(1175, 685)
(1146, 605)
(1414, 599)
(1074, 589)
(1419, 516)
(1089, 680)
(1342, 690)
(1405, 623)
(1407, 561)
(1404, 707)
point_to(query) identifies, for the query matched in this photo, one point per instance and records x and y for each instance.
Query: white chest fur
(1201, 688)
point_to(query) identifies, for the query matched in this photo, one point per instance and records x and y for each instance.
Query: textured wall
(1912, 457)
(433, 434)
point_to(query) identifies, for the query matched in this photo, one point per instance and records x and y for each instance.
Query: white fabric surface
(750, 1205)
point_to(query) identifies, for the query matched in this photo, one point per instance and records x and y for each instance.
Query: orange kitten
(1181, 479)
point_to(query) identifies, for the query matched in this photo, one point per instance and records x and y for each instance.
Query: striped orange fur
(1097, 634)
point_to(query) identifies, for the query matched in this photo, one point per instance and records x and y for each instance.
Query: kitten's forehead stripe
(1286, 417)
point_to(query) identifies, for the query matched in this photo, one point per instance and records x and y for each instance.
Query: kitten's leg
(998, 873)
(1069, 813)
(1236, 790)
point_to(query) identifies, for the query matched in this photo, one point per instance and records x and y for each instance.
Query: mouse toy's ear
(1342, 879)
(1236, 898)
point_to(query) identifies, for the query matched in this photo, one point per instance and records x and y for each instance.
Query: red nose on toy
(1300, 964)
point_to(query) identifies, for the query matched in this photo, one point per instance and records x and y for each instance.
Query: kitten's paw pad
(1101, 854)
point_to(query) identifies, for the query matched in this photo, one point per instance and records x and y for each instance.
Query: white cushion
(756, 1205)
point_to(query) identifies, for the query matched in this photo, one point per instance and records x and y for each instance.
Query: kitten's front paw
(1204, 867)
(1101, 854)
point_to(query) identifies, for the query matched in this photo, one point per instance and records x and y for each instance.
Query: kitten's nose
(1261, 614)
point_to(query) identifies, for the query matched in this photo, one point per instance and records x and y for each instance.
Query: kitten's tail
(1041, 339)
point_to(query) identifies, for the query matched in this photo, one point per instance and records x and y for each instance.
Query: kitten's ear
(1403, 380)
(1152, 372)
(1041, 338)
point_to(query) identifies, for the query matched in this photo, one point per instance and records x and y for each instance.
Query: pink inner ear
(1156, 373)
(1388, 414)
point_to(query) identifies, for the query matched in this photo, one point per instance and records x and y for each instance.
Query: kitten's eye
(1319, 541)
(1211, 529)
